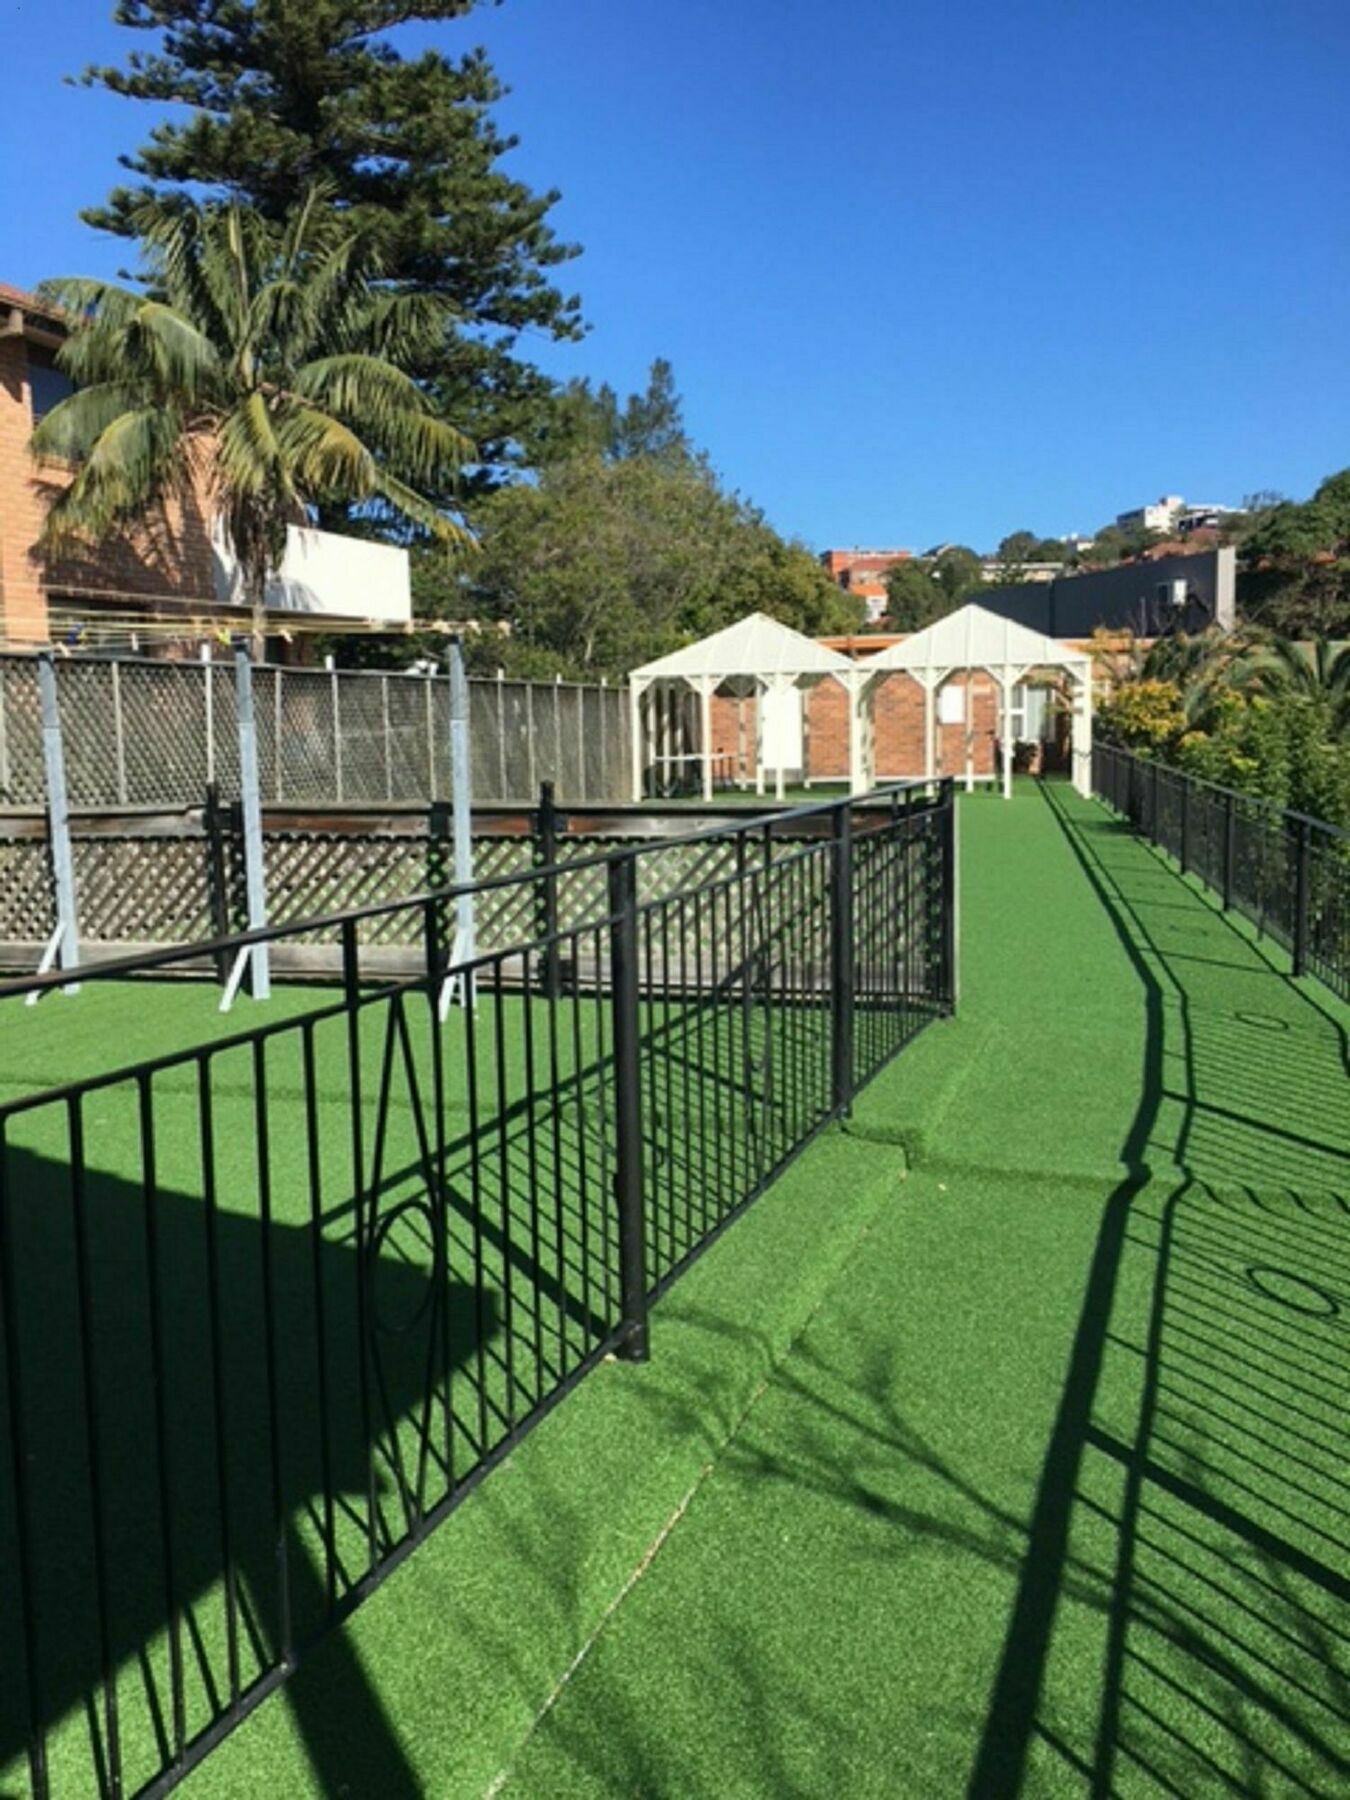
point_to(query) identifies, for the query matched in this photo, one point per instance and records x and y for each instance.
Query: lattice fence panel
(27, 913)
(22, 782)
(307, 762)
(139, 890)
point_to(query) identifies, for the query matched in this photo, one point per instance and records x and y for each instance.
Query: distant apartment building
(1176, 517)
(169, 580)
(1161, 515)
(863, 572)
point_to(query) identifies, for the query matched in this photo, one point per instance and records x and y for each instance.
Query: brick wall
(23, 607)
(898, 727)
(166, 557)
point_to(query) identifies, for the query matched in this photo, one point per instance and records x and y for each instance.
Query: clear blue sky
(925, 270)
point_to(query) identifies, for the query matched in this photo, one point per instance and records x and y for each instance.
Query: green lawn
(999, 1448)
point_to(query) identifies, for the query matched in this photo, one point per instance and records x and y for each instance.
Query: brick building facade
(898, 722)
(165, 562)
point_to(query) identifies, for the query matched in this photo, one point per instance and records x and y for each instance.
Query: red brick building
(167, 581)
(863, 573)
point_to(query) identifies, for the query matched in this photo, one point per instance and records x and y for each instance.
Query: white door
(783, 740)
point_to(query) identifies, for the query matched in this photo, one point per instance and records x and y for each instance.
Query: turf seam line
(777, 1362)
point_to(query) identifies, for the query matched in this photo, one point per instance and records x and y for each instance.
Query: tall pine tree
(285, 93)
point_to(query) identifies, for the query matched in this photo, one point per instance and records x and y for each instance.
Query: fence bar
(546, 891)
(58, 819)
(208, 701)
(255, 878)
(217, 881)
(951, 898)
(119, 735)
(841, 959)
(1301, 885)
(626, 981)
(1229, 849)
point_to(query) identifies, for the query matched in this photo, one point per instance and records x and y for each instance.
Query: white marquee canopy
(755, 654)
(972, 639)
(759, 655)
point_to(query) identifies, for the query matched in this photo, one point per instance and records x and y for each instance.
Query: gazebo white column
(1081, 730)
(705, 694)
(637, 687)
(761, 689)
(861, 741)
(931, 679)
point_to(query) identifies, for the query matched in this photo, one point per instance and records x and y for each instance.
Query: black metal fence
(272, 1303)
(1288, 873)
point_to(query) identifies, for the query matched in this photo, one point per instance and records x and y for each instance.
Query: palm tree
(1200, 665)
(265, 358)
(1320, 673)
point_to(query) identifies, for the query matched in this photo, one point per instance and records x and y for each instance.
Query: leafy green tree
(915, 596)
(601, 565)
(281, 94)
(270, 367)
(959, 572)
(586, 420)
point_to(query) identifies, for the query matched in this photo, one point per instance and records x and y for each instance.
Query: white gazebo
(758, 656)
(972, 639)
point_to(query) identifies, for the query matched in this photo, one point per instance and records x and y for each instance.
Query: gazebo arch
(972, 639)
(756, 655)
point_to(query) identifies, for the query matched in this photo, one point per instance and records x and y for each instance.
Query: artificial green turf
(1021, 1471)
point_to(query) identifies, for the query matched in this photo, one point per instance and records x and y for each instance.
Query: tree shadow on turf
(1226, 1659)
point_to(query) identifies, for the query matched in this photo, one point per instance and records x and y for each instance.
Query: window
(951, 705)
(47, 385)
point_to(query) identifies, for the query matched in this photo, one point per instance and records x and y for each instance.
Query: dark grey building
(1149, 598)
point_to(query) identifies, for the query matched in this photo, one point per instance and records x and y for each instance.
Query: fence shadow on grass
(235, 1508)
(1197, 1446)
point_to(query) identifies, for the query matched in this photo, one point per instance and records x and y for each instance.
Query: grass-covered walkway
(1001, 1448)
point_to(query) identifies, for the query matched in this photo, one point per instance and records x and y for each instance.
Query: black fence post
(1153, 821)
(949, 896)
(546, 890)
(1184, 849)
(841, 958)
(1302, 921)
(217, 881)
(625, 982)
(1229, 850)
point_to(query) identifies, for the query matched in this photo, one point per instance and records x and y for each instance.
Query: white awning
(974, 638)
(754, 646)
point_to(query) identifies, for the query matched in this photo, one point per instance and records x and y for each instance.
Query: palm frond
(73, 426)
(128, 468)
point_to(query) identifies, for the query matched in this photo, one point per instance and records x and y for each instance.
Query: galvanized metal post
(66, 937)
(1302, 920)
(625, 982)
(841, 959)
(461, 803)
(250, 800)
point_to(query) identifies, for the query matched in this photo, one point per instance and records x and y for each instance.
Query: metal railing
(1285, 871)
(272, 1303)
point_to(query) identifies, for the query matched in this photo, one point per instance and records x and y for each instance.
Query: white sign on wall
(951, 705)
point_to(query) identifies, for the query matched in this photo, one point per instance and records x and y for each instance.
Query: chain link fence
(142, 733)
